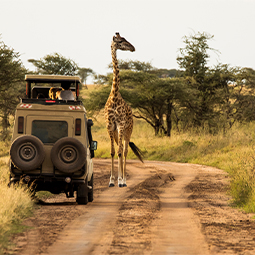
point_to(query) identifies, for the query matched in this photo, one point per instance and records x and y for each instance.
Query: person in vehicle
(66, 93)
(54, 93)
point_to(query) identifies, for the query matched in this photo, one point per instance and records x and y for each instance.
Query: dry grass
(15, 204)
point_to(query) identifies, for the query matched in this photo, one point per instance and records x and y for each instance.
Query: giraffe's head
(121, 43)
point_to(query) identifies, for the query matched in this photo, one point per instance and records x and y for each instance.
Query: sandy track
(178, 230)
(92, 232)
(167, 208)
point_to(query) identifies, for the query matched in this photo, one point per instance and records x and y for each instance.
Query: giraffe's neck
(116, 77)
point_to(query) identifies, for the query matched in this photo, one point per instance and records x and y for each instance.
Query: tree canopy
(55, 64)
(12, 74)
(84, 73)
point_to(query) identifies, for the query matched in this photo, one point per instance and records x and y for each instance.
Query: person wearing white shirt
(66, 93)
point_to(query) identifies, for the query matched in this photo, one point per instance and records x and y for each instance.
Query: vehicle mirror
(93, 145)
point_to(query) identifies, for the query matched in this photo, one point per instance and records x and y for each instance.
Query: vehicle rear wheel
(68, 155)
(27, 152)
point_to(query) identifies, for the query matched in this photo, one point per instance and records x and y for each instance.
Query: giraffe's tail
(136, 151)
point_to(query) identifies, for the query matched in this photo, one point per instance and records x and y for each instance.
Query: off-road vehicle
(52, 146)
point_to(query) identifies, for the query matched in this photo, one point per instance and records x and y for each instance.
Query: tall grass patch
(243, 181)
(15, 204)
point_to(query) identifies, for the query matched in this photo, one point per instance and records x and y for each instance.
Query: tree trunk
(169, 117)
(156, 128)
(177, 120)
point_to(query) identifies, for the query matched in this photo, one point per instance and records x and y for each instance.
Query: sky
(82, 30)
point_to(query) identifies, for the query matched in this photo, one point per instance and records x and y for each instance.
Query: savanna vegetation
(196, 114)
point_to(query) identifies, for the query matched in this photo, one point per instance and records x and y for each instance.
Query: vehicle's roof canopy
(52, 78)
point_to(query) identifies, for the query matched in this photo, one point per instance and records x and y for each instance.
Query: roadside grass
(232, 151)
(15, 205)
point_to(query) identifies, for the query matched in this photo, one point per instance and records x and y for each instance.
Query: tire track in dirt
(92, 232)
(132, 234)
(177, 230)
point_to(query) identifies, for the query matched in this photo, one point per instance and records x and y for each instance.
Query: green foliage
(101, 79)
(151, 96)
(134, 65)
(219, 96)
(84, 73)
(55, 64)
(97, 99)
(193, 57)
(12, 74)
(198, 77)
(166, 73)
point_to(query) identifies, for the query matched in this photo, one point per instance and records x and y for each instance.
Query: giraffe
(118, 116)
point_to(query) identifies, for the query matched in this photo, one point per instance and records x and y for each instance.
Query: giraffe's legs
(112, 177)
(120, 170)
(124, 162)
(120, 158)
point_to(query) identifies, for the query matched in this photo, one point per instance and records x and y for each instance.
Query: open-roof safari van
(52, 146)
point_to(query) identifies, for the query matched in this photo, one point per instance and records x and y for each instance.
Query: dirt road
(167, 208)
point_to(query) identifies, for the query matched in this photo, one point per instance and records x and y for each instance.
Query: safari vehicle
(52, 146)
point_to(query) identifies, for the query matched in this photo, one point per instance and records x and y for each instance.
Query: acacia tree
(84, 73)
(55, 64)
(219, 96)
(152, 98)
(193, 61)
(238, 100)
(12, 74)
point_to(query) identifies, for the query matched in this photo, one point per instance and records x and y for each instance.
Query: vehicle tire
(68, 155)
(82, 194)
(90, 191)
(27, 152)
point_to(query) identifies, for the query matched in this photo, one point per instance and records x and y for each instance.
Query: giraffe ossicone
(118, 116)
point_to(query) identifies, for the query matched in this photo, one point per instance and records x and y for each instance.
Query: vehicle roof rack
(52, 78)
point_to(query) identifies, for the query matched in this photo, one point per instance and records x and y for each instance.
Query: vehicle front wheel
(90, 190)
